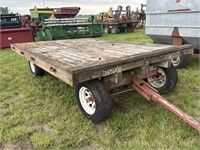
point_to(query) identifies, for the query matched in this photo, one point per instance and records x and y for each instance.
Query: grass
(41, 113)
(138, 36)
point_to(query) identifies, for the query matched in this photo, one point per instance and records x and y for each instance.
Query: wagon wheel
(114, 30)
(37, 71)
(165, 80)
(94, 100)
(107, 29)
(180, 62)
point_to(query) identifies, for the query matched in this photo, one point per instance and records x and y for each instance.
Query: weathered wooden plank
(51, 68)
(85, 59)
(127, 59)
(100, 72)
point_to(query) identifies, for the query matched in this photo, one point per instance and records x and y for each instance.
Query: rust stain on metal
(176, 38)
(178, 1)
(121, 92)
(195, 56)
(149, 74)
(150, 94)
(125, 81)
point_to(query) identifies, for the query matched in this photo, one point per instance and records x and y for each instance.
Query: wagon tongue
(151, 94)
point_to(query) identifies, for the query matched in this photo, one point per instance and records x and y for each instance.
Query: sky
(87, 6)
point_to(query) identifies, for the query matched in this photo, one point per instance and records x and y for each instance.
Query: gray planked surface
(82, 55)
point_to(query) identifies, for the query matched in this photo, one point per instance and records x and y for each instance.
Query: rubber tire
(122, 30)
(102, 100)
(114, 30)
(171, 80)
(130, 29)
(184, 60)
(38, 71)
(106, 29)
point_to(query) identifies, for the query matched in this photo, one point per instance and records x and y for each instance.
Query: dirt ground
(21, 145)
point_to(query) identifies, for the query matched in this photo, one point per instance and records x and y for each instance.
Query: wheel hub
(87, 100)
(32, 67)
(176, 61)
(158, 80)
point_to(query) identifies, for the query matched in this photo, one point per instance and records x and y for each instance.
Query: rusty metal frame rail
(195, 56)
(151, 94)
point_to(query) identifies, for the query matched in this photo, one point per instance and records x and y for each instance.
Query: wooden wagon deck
(78, 60)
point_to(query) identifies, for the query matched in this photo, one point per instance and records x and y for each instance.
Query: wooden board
(78, 60)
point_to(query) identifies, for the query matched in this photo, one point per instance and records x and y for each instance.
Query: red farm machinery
(28, 28)
(12, 30)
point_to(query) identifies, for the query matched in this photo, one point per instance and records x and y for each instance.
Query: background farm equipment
(140, 16)
(10, 21)
(115, 21)
(47, 24)
(11, 30)
(39, 14)
(65, 28)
